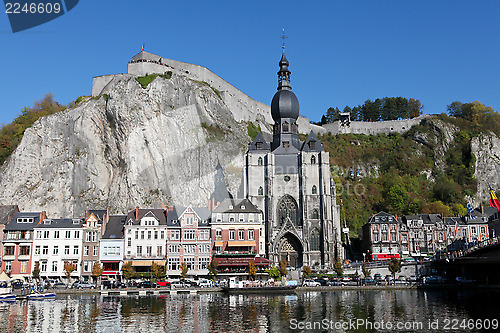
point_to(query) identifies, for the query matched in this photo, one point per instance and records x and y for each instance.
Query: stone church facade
(290, 181)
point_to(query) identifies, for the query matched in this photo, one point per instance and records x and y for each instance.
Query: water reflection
(215, 312)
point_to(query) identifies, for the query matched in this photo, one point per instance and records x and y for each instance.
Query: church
(290, 181)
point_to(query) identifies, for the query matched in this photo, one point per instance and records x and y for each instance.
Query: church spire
(284, 73)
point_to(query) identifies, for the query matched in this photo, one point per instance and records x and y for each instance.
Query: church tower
(290, 181)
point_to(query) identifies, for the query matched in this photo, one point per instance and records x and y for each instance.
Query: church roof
(264, 145)
(312, 143)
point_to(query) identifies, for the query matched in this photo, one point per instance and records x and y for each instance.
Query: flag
(143, 47)
(494, 200)
(456, 228)
(470, 210)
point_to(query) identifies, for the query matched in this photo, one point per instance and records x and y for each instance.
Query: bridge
(478, 262)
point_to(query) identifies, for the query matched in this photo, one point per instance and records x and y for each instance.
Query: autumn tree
(36, 271)
(337, 267)
(184, 270)
(156, 270)
(282, 267)
(307, 272)
(213, 268)
(69, 268)
(127, 270)
(97, 270)
(394, 266)
(366, 271)
(252, 269)
(274, 272)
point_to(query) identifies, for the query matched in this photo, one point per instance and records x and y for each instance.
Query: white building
(58, 241)
(112, 247)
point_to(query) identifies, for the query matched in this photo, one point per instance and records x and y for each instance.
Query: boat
(250, 287)
(39, 296)
(7, 298)
(263, 289)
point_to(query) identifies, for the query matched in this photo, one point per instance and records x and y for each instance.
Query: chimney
(137, 212)
(43, 216)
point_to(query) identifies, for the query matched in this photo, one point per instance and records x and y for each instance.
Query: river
(325, 311)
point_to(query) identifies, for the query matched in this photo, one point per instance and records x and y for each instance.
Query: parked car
(162, 283)
(108, 284)
(177, 284)
(17, 284)
(310, 283)
(321, 281)
(377, 277)
(83, 285)
(146, 284)
(190, 283)
(335, 282)
(59, 285)
(204, 283)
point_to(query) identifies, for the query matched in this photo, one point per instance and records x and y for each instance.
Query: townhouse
(93, 228)
(56, 242)
(112, 247)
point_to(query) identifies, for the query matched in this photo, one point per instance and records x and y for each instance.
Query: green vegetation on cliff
(11, 134)
(398, 173)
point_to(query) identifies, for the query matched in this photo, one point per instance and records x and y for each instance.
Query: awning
(111, 261)
(242, 262)
(241, 243)
(9, 244)
(218, 243)
(111, 273)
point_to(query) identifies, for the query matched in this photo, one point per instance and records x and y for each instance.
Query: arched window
(313, 160)
(287, 208)
(315, 214)
(261, 191)
(285, 127)
(259, 161)
(315, 240)
(314, 190)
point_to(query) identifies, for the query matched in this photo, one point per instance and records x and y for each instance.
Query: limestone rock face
(131, 146)
(486, 149)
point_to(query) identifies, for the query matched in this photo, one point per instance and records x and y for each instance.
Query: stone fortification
(372, 128)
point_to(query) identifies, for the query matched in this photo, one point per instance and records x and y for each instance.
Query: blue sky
(340, 52)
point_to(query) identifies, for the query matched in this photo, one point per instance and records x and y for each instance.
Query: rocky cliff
(131, 146)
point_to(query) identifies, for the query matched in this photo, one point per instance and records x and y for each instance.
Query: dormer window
(285, 127)
(46, 221)
(312, 145)
(230, 206)
(25, 220)
(242, 206)
(258, 145)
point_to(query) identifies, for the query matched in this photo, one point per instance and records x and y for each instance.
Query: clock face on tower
(287, 178)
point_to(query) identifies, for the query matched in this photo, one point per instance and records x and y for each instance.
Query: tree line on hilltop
(387, 108)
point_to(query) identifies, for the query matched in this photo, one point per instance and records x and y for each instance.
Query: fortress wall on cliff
(374, 128)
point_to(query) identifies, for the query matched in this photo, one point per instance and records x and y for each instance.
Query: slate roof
(259, 138)
(98, 213)
(61, 224)
(237, 206)
(14, 225)
(114, 227)
(312, 137)
(382, 216)
(6, 213)
(159, 214)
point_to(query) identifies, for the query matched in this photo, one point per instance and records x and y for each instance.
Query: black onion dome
(284, 105)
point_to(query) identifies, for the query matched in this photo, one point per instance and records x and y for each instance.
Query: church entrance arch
(290, 250)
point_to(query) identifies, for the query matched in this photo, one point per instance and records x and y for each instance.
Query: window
(260, 161)
(46, 234)
(139, 250)
(142, 234)
(43, 266)
(189, 234)
(129, 241)
(189, 249)
(312, 145)
(314, 189)
(204, 248)
(286, 144)
(86, 250)
(75, 249)
(55, 251)
(149, 251)
(156, 234)
(204, 235)
(218, 234)
(315, 244)
(287, 208)
(136, 234)
(174, 248)
(189, 220)
(54, 266)
(149, 234)
(25, 220)
(56, 234)
(473, 230)
(231, 217)
(95, 252)
(376, 238)
(285, 127)
(241, 234)
(173, 264)
(38, 234)
(175, 234)
(241, 217)
(483, 230)
(162, 234)
(45, 249)
(66, 249)
(315, 214)
(159, 251)
(8, 265)
(24, 250)
(251, 234)
(87, 266)
(68, 234)
(313, 160)
(258, 145)
(77, 234)
(204, 263)
(384, 237)
(37, 249)
(261, 191)
(231, 234)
